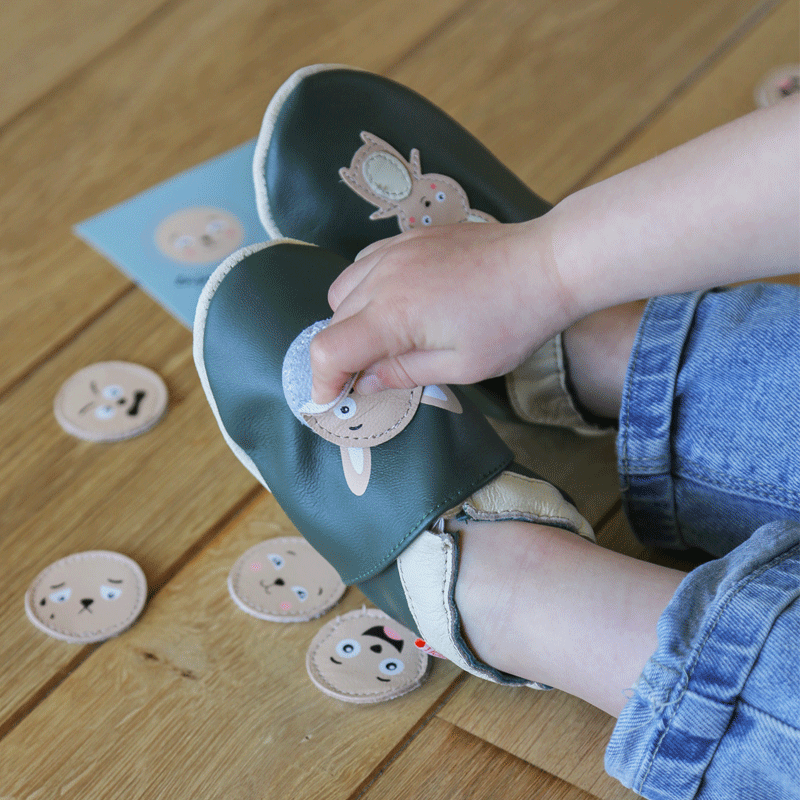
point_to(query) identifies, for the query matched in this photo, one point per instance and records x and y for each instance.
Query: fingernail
(316, 397)
(369, 384)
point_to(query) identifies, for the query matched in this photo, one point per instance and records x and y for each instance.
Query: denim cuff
(716, 711)
(644, 452)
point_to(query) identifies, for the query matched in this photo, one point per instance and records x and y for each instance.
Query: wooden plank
(199, 699)
(447, 762)
(153, 497)
(550, 90)
(722, 94)
(43, 43)
(190, 85)
(553, 731)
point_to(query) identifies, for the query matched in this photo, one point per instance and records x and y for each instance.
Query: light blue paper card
(170, 238)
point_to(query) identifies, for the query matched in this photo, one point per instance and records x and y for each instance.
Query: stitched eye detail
(346, 409)
(61, 596)
(426, 220)
(104, 412)
(277, 561)
(441, 197)
(215, 226)
(112, 392)
(110, 592)
(348, 648)
(391, 666)
(302, 594)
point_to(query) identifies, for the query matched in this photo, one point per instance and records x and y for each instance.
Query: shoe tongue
(297, 376)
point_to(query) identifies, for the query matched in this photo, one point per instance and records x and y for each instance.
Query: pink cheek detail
(433, 186)
(255, 566)
(392, 634)
(285, 606)
(412, 220)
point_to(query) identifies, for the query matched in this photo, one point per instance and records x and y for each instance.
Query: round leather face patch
(110, 401)
(198, 236)
(366, 657)
(284, 580)
(87, 597)
(366, 420)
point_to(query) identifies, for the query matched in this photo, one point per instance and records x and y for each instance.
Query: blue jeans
(709, 457)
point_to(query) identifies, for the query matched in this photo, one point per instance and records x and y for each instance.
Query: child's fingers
(347, 281)
(371, 248)
(415, 368)
(344, 348)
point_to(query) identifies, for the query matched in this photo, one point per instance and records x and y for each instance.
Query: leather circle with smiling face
(284, 580)
(110, 400)
(366, 657)
(87, 597)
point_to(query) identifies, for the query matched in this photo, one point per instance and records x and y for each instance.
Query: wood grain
(553, 731)
(191, 84)
(550, 89)
(445, 761)
(153, 497)
(201, 700)
(722, 94)
(44, 43)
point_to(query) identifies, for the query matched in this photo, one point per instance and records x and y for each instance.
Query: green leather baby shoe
(346, 158)
(368, 480)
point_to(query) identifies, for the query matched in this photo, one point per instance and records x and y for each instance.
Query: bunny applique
(354, 422)
(380, 175)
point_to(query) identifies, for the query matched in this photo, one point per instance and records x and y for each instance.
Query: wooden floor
(100, 101)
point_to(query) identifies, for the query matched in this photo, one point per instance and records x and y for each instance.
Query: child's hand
(453, 304)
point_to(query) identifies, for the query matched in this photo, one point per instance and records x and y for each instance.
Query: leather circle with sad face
(87, 597)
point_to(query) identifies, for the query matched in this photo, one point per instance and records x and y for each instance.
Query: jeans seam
(695, 470)
(771, 717)
(629, 391)
(687, 673)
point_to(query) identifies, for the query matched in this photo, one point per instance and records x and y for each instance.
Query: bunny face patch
(354, 422)
(381, 175)
(87, 597)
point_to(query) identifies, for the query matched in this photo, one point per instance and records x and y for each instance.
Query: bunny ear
(357, 464)
(416, 166)
(441, 396)
(387, 176)
(379, 174)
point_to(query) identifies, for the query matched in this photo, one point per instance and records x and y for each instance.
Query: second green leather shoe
(368, 481)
